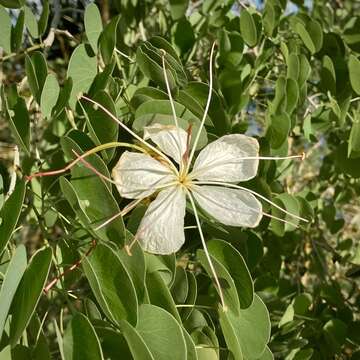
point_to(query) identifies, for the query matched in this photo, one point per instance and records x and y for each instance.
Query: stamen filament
(217, 282)
(206, 109)
(279, 219)
(221, 183)
(132, 133)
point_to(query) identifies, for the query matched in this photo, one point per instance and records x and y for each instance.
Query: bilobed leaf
(292, 95)
(316, 33)
(93, 25)
(247, 334)
(108, 40)
(19, 122)
(82, 69)
(10, 283)
(229, 257)
(5, 30)
(44, 17)
(248, 28)
(81, 341)
(161, 333)
(278, 130)
(305, 37)
(49, 95)
(31, 23)
(29, 291)
(328, 75)
(10, 212)
(36, 72)
(354, 73)
(17, 32)
(293, 65)
(103, 129)
(111, 285)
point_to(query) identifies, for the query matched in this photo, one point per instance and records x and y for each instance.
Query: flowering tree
(179, 179)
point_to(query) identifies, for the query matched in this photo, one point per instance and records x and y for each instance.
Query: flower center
(184, 179)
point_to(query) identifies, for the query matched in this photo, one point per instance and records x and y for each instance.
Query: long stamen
(279, 219)
(87, 153)
(221, 183)
(172, 106)
(132, 133)
(206, 109)
(217, 282)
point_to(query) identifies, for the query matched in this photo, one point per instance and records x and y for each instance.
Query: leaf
(108, 40)
(292, 95)
(305, 37)
(19, 122)
(44, 17)
(248, 28)
(5, 30)
(12, 4)
(328, 75)
(49, 95)
(354, 138)
(111, 285)
(93, 25)
(31, 23)
(36, 72)
(10, 283)
(354, 73)
(232, 260)
(103, 129)
(178, 8)
(293, 65)
(29, 292)
(82, 69)
(335, 332)
(278, 130)
(17, 32)
(9, 214)
(246, 335)
(184, 36)
(161, 333)
(136, 343)
(81, 341)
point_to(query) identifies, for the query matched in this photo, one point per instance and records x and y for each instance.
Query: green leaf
(82, 69)
(178, 8)
(161, 333)
(293, 65)
(246, 335)
(354, 73)
(136, 343)
(31, 23)
(9, 214)
(10, 283)
(19, 122)
(36, 72)
(12, 4)
(81, 341)
(44, 17)
(292, 95)
(278, 130)
(93, 25)
(29, 292)
(108, 40)
(335, 332)
(316, 33)
(111, 285)
(17, 32)
(5, 30)
(103, 129)
(354, 139)
(49, 95)
(232, 260)
(305, 37)
(248, 28)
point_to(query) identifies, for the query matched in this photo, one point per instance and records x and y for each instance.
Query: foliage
(284, 73)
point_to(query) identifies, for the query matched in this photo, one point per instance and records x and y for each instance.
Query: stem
(31, 48)
(206, 109)
(132, 133)
(220, 183)
(87, 153)
(217, 282)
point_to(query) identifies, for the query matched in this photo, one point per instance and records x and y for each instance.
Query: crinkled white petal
(222, 160)
(161, 230)
(170, 139)
(139, 175)
(229, 206)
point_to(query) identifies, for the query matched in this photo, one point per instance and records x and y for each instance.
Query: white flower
(228, 160)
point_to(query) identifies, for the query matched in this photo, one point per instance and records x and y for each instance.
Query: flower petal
(161, 230)
(222, 160)
(139, 175)
(170, 139)
(229, 206)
